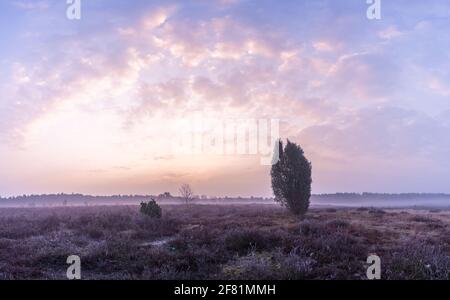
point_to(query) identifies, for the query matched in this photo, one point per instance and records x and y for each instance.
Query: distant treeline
(383, 196)
(383, 199)
(80, 199)
(351, 199)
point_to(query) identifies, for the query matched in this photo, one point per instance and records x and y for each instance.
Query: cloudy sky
(89, 106)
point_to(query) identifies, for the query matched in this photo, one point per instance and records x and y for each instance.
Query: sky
(94, 105)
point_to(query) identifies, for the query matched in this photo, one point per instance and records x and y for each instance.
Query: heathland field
(223, 242)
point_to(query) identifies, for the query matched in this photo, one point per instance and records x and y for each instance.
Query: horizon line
(242, 197)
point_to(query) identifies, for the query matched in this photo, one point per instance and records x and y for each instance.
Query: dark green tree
(151, 209)
(291, 178)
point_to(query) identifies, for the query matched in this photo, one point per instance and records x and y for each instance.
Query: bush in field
(291, 178)
(244, 240)
(151, 209)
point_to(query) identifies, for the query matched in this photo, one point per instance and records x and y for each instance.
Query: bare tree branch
(186, 193)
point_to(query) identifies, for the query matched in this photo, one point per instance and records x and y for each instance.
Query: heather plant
(221, 242)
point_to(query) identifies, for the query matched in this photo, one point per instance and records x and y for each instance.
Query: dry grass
(223, 242)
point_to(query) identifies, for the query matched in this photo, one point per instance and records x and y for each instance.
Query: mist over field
(331, 200)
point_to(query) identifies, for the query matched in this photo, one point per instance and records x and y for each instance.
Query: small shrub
(243, 241)
(422, 219)
(337, 224)
(151, 209)
(377, 212)
(254, 266)
(49, 224)
(94, 233)
(310, 227)
(294, 266)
